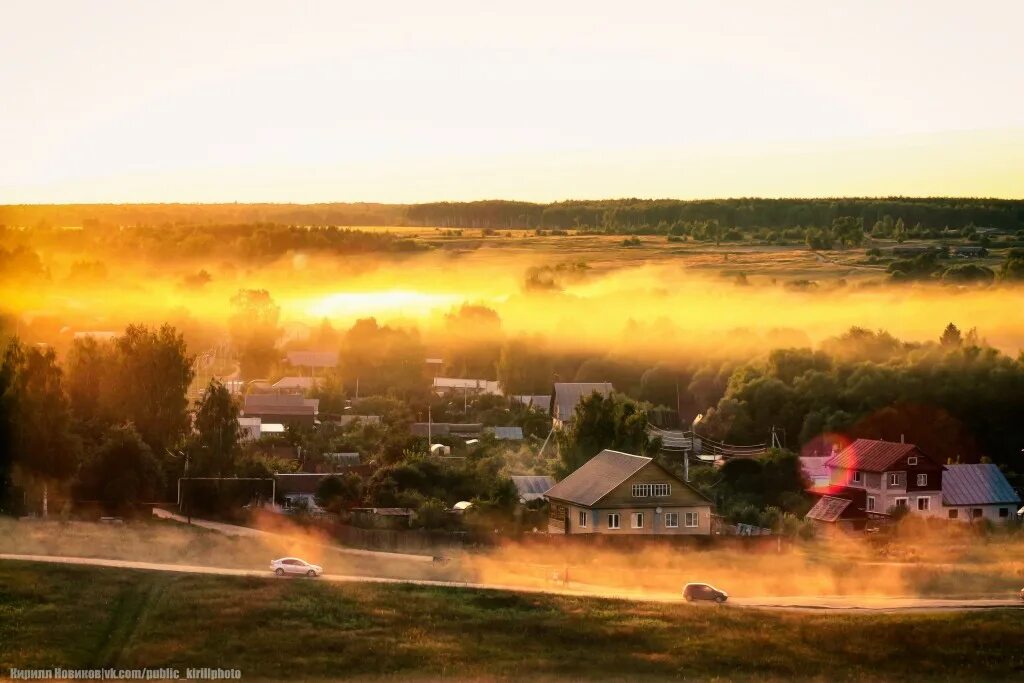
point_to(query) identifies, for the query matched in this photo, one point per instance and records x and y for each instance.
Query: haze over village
(669, 341)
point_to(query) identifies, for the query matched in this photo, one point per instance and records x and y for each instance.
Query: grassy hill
(78, 617)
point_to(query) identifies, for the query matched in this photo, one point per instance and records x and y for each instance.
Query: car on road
(294, 565)
(704, 591)
(1021, 594)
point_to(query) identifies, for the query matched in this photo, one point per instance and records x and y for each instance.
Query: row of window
(894, 478)
(690, 520)
(648, 490)
(978, 513)
(924, 503)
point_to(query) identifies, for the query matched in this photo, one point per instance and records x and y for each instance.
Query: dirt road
(817, 602)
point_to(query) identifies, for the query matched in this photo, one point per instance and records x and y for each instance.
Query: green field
(78, 617)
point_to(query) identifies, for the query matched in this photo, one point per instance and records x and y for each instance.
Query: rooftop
(597, 477)
(567, 396)
(828, 509)
(981, 484)
(531, 487)
(870, 455)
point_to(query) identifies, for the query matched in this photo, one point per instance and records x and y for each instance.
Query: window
(924, 503)
(912, 460)
(954, 513)
(922, 480)
(583, 519)
(976, 513)
(671, 520)
(1004, 512)
(871, 503)
(857, 477)
(647, 490)
(691, 519)
(613, 520)
(638, 520)
(900, 502)
(894, 479)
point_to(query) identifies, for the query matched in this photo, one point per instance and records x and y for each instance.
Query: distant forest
(619, 215)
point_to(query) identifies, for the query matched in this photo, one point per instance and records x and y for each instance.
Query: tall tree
(8, 409)
(153, 373)
(602, 422)
(217, 430)
(123, 470)
(255, 331)
(951, 337)
(44, 446)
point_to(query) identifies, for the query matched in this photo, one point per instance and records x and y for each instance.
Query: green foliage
(338, 493)
(1012, 269)
(255, 331)
(953, 399)
(122, 471)
(41, 437)
(602, 422)
(216, 424)
(920, 267)
(382, 359)
(968, 272)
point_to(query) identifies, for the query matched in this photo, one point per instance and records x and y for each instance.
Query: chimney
(901, 439)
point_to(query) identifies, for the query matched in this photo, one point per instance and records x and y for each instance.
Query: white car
(293, 565)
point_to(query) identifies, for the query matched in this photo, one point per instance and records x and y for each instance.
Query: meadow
(299, 629)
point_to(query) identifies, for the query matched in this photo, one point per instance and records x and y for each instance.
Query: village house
(618, 493)
(531, 487)
(976, 492)
(296, 384)
(444, 386)
(891, 474)
(539, 402)
(282, 408)
(567, 395)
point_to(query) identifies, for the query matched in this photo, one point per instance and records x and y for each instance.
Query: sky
(122, 101)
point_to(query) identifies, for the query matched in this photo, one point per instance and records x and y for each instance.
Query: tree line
(608, 214)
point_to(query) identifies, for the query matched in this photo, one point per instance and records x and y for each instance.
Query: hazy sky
(409, 101)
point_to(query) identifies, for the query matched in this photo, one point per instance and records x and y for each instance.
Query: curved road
(803, 603)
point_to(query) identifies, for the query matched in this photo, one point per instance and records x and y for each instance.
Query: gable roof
(597, 477)
(873, 456)
(567, 396)
(280, 404)
(981, 484)
(531, 487)
(828, 509)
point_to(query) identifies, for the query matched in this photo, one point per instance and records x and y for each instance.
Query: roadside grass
(80, 617)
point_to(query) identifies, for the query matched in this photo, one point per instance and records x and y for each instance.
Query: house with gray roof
(617, 493)
(975, 492)
(567, 395)
(531, 487)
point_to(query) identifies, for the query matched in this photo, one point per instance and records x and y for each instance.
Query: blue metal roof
(981, 484)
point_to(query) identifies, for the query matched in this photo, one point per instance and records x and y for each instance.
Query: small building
(249, 428)
(296, 384)
(617, 493)
(473, 387)
(975, 492)
(815, 469)
(567, 395)
(298, 491)
(842, 508)
(970, 252)
(540, 402)
(891, 475)
(507, 433)
(282, 408)
(433, 429)
(346, 420)
(531, 487)
(381, 518)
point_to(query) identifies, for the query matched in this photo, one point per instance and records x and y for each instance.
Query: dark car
(703, 591)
